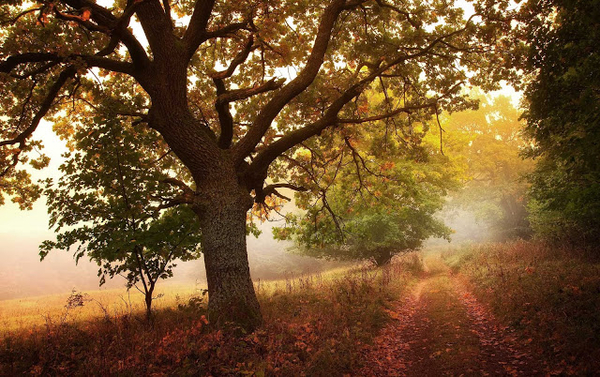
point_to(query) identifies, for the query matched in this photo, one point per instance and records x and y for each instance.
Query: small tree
(110, 205)
(379, 199)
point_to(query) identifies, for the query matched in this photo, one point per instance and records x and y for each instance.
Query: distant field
(25, 313)
(22, 275)
(31, 312)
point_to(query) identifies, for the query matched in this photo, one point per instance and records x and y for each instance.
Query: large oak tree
(234, 88)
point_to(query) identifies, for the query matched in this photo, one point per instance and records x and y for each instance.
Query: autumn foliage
(313, 326)
(548, 294)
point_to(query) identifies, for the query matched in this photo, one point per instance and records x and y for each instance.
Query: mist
(465, 226)
(22, 274)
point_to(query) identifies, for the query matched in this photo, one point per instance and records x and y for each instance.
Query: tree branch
(29, 57)
(269, 154)
(405, 109)
(355, 158)
(264, 119)
(16, 18)
(82, 20)
(115, 26)
(225, 31)
(225, 117)
(239, 59)
(167, 8)
(333, 215)
(172, 202)
(180, 184)
(158, 30)
(108, 64)
(329, 118)
(194, 35)
(272, 190)
(415, 24)
(239, 94)
(21, 139)
(92, 60)
(186, 196)
(224, 96)
(270, 111)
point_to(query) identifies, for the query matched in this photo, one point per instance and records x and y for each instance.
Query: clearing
(440, 329)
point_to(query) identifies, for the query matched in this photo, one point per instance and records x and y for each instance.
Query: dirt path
(441, 330)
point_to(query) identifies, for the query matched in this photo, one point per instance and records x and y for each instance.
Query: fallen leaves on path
(441, 329)
(386, 356)
(498, 344)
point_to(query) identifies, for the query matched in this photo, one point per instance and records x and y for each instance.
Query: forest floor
(440, 329)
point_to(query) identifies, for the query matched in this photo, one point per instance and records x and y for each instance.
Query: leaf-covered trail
(441, 330)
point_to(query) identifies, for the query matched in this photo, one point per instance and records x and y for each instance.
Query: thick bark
(221, 203)
(231, 292)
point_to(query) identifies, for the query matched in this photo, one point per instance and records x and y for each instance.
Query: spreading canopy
(234, 87)
(254, 86)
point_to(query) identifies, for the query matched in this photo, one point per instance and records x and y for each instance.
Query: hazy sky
(14, 221)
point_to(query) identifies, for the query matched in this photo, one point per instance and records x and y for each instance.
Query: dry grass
(550, 295)
(314, 325)
(35, 312)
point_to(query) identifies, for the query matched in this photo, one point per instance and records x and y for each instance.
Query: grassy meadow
(314, 325)
(34, 312)
(317, 324)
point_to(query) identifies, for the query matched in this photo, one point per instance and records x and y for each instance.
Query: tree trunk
(148, 300)
(382, 257)
(232, 299)
(221, 204)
